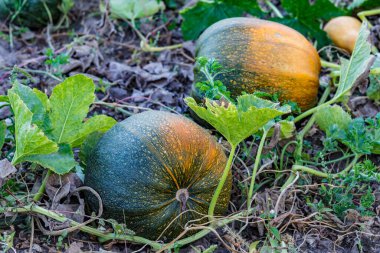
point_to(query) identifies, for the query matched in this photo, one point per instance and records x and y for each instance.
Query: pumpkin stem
(182, 196)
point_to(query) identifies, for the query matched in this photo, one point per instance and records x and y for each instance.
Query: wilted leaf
(236, 123)
(30, 140)
(132, 9)
(6, 169)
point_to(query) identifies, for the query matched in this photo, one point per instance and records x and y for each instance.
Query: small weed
(6, 241)
(56, 61)
(343, 194)
(211, 88)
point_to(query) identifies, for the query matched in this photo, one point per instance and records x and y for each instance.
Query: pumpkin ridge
(153, 149)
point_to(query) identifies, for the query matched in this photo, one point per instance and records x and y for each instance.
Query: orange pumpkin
(343, 31)
(262, 56)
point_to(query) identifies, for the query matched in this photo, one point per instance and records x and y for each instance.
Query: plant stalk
(330, 161)
(41, 190)
(323, 174)
(256, 166)
(61, 218)
(314, 109)
(327, 64)
(363, 15)
(274, 9)
(221, 183)
(103, 237)
(144, 45)
(301, 134)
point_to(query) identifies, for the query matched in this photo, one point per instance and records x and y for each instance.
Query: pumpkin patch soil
(130, 81)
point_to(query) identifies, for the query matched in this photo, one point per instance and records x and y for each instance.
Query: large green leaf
(353, 70)
(237, 122)
(70, 103)
(99, 123)
(205, 13)
(330, 115)
(30, 140)
(34, 104)
(306, 18)
(60, 162)
(43, 98)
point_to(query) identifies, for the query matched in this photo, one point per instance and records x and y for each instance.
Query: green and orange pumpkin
(263, 56)
(155, 172)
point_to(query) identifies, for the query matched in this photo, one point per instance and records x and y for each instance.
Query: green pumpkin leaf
(30, 140)
(357, 68)
(203, 14)
(60, 162)
(99, 123)
(237, 122)
(132, 9)
(247, 101)
(43, 98)
(309, 22)
(70, 102)
(34, 104)
(3, 132)
(330, 115)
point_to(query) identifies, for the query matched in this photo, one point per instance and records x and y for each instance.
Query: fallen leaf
(6, 169)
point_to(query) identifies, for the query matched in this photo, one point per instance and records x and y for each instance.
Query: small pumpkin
(31, 14)
(343, 31)
(156, 171)
(262, 56)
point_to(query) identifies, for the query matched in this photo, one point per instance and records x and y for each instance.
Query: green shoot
(56, 61)
(211, 88)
